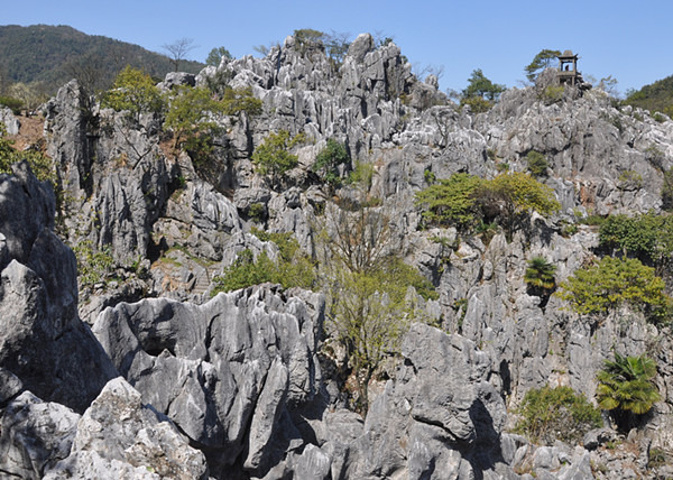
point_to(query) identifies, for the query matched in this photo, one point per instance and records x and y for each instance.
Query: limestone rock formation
(236, 386)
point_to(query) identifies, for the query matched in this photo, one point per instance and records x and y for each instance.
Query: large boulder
(229, 373)
(120, 437)
(43, 343)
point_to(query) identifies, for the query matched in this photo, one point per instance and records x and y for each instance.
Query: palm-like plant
(625, 386)
(539, 275)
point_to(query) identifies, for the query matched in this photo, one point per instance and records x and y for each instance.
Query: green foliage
(362, 175)
(510, 197)
(463, 200)
(655, 97)
(626, 387)
(614, 282)
(367, 289)
(542, 60)
(237, 100)
(648, 237)
(93, 265)
(133, 91)
(552, 94)
(630, 180)
(328, 161)
(41, 165)
(257, 211)
(14, 103)
(216, 55)
(480, 86)
(550, 414)
(307, 39)
(537, 163)
(451, 201)
(291, 269)
(54, 55)
(477, 104)
(539, 275)
(667, 191)
(273, 158)
(190, 118)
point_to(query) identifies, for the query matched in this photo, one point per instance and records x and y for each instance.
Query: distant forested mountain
(53, 55)
(657, 97)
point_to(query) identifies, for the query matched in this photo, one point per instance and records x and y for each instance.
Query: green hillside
(54, 55)
(657, 97)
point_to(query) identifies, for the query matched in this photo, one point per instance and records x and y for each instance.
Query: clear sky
(630, 40)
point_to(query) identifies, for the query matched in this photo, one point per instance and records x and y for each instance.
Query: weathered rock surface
(120, 437)
(43, 343)
(239, 374)
(228, 372)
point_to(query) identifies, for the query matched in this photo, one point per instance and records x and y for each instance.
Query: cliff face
(239, 386)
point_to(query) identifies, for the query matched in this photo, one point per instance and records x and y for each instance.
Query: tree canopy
(542, 60)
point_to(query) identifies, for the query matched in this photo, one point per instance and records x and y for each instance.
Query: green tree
(537, 163)
(539, 276)
(613, 282)
(510, 197)
(273, 158)
(648, 237)
(216, 55)
(328, 161)
(542, 60)
(480, 92)
(550, 414)
(366, 286)
(133, 91)
(189, 117)
(626, 388)
(307, 39)
(451, 201)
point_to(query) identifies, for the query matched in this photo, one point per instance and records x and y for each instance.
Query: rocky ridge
(235, 386)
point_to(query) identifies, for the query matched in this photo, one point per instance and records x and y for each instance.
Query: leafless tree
(178, 50)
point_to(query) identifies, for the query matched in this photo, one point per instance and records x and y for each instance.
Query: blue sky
(626, 39)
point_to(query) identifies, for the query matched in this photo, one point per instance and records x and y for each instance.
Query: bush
(463, 200)
(328, 160)
(134, 92)
(537, 164)
(550, 414)
(648, 237)
(625, 387)
(614, 282)
(510, 197)
(539, 276)
(14, 104)
(237, 100)
(291, 269)
(189, 118)
(273, 158)
(451, 201)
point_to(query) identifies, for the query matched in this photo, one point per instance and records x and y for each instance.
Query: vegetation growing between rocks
(464, 200)
(134, 92)
(292, 268)
(328, 161)
(550, 414)
(41, 165)
(367, 285)
(613, 282)
(273, 158)
(189, 117)
(626, 388)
